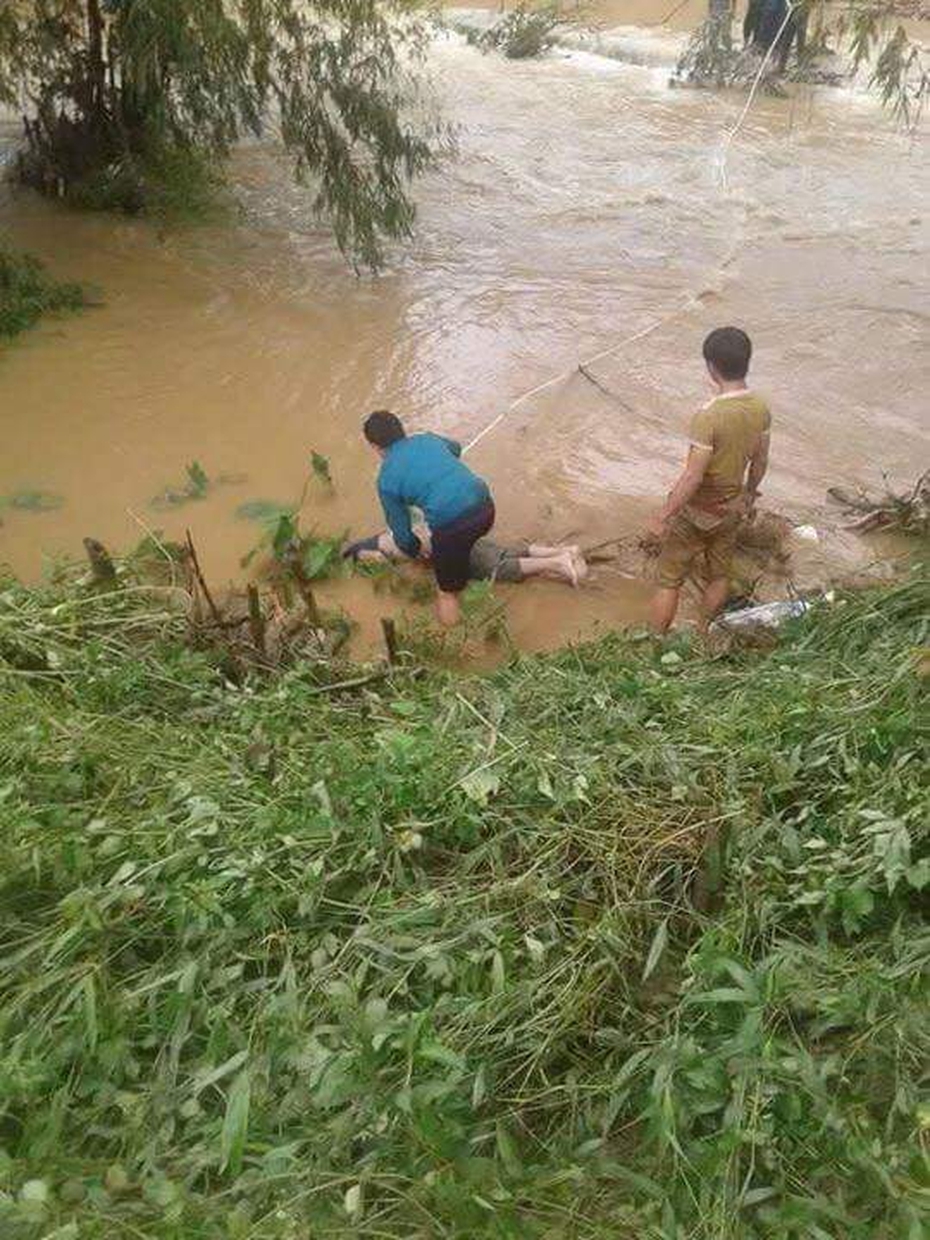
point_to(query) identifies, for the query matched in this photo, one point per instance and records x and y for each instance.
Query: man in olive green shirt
(717, 489)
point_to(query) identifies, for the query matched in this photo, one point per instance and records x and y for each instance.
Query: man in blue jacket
(426, 472)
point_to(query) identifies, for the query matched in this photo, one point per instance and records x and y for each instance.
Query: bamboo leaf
(235, 1124)
(659, 941)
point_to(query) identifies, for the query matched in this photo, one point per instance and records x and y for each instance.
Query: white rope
(731, 135)
(567, 374)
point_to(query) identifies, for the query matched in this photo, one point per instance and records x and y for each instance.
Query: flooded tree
(129, 102)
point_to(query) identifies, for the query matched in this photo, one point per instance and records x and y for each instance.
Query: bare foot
(570, 567)
(581, 565)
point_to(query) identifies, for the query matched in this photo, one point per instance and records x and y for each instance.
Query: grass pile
(423, 957)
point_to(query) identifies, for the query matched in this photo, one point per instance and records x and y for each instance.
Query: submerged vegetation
(521, 34)
(624, 941)
(27, 292)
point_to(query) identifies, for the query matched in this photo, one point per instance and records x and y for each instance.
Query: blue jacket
(425, 471)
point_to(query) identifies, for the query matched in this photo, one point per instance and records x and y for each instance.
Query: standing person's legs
(448, 608)
(664, 607)
(682, 544)
(452, 546)
(720, 547)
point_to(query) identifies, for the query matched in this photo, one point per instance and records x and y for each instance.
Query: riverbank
(624, 941)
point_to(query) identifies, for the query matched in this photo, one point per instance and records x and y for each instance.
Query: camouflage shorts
(489, 561)
(686, 542)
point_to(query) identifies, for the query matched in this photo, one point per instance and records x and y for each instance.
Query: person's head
(382, 428)
(727, 352)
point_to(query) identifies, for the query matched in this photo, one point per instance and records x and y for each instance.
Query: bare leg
(559, 567)
(715, 597)
(539, 551)
(663, 608)
(448, 611)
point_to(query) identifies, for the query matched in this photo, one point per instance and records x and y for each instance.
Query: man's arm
(758, 464)
(397, 515)
(752, 17)
(691, 477)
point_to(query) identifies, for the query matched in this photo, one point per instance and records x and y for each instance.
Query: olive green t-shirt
(732, 427)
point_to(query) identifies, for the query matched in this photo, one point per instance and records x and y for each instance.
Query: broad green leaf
(31, 501)
(284, 533)
(498, 973)
(235, 1124)
(660, 938)
(210, 1076)
(198, 482)
(507, 1148)
(723, 994)
(319, 555)
(479, 1089)
(320, 466)
(480, 785)
(90, 1010)
(265, 511)
(35, 1191)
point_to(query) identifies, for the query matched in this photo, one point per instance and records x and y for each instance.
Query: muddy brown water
(587, 202)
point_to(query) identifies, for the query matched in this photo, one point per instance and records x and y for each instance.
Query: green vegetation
(320, 469)
(423, 956)
(521, 34)
(310, 555)
(135, 104)
(195, 486)
(30, 501)
(27, 292)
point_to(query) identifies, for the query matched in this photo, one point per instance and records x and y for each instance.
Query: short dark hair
(383, 428)
(728, 350)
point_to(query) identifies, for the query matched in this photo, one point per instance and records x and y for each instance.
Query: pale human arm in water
(691, 477)
(389, 550)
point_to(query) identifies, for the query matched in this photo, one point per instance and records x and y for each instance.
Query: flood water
(586, 202)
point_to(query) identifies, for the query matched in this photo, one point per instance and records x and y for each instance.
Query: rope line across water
(721, 164)
(582, 366)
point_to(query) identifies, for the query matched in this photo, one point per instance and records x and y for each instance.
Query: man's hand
(656, 528)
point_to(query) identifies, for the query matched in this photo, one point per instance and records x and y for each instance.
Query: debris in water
(805, 533)
(768, 616)
(910, 512)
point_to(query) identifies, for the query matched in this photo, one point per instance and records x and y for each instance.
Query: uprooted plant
(908, 511)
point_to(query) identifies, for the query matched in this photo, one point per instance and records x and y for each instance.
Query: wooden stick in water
(256, 620)
(214, 610)
(389, 629)
(101, 566)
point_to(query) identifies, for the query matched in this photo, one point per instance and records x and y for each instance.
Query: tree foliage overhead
(117, 94)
